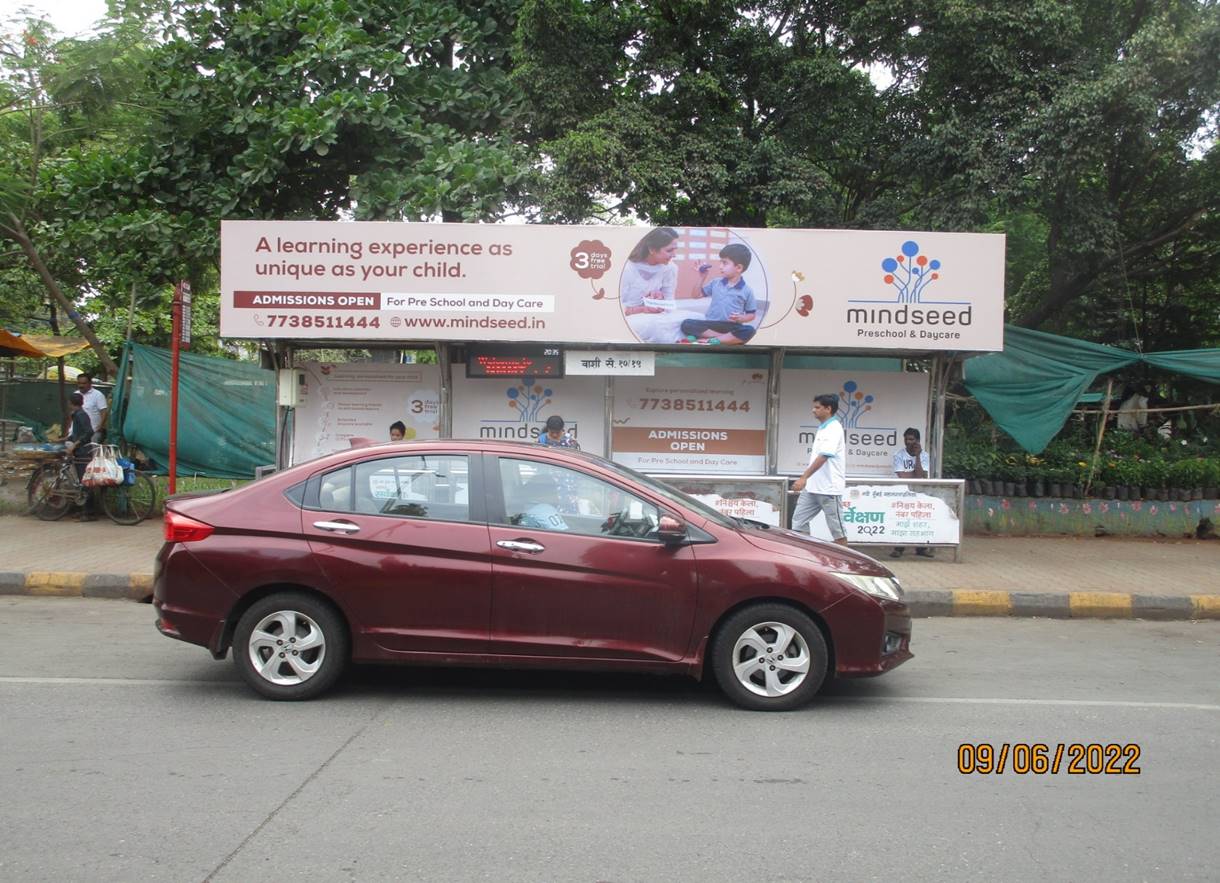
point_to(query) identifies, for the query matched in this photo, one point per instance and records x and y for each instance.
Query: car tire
(271, 627)
(769, 657)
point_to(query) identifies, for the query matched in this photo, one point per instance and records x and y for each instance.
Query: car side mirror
(671, 529)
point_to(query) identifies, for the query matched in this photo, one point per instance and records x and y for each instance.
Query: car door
(575, 573)
(403, 540)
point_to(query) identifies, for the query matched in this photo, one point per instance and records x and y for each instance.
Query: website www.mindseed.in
(530, 323)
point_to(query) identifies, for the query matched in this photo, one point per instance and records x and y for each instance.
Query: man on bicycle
(79, 444)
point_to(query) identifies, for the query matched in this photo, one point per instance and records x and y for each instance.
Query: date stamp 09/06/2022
(1042, 758)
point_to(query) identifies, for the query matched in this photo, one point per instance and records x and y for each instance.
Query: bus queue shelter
(529, 321)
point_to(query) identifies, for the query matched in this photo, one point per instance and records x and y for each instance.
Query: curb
(923, 602)
(69, 584)
(1073, 605)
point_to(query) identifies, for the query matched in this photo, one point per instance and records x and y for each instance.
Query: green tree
(52, 93)
(751, 114)
(1094, 121)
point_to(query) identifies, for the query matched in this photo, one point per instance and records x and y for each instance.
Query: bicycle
(54, 488)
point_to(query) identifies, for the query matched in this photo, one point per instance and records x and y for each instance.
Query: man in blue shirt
(732, 306)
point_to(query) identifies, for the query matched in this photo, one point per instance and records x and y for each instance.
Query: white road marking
(922, 700)
(111, 682)
(1082, 703)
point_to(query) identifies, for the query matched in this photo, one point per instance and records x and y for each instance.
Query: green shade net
(1030, 388)
(1204, 364)
(226, 413)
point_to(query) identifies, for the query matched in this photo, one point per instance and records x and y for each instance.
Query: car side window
(543, 496)
(335, 490)
(432, 486)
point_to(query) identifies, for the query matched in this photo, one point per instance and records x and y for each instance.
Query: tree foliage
(1084, 130)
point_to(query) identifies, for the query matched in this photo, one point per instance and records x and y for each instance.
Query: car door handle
(337, 526)
(521, 546)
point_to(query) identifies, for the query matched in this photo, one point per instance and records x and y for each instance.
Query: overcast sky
(70, 17)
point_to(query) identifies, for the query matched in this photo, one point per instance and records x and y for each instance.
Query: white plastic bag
(104, 469)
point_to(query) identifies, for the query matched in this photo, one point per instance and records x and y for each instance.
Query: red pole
(173, 390)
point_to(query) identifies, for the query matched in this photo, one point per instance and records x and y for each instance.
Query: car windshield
(673, 495)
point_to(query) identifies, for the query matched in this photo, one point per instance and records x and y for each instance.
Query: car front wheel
(769, 657)
(290, 646)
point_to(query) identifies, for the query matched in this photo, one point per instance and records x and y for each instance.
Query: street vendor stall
(692, 352)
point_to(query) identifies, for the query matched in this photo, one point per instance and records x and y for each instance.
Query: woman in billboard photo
(723, 289)
(649, 285)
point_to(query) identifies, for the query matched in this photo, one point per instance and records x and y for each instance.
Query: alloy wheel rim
(287, 648)
(771, 659)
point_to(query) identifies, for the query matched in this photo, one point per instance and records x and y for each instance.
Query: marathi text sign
(609, 363)
(699, 286)
(902, 514)
(751, 497)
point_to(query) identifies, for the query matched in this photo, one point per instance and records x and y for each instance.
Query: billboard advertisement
(692, 420)
(695, 286)
(339, 401)
(875, 408)
(516, 409)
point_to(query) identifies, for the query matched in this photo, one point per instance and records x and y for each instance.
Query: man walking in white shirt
(823, 483)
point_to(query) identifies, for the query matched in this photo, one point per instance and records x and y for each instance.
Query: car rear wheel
(769, 657)
(290, 646)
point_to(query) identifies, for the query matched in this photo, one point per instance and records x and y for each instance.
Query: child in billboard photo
(733, 305)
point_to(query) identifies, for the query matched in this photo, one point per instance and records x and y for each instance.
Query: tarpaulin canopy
(226, 412)
(1030, 388)
(39, 346)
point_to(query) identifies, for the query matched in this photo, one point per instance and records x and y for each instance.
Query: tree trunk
(16, 231)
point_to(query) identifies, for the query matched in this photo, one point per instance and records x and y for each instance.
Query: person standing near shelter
(911, 461)
(95, 405)
(79, 443)
(555, 436)
(398, 431)
(823, 483)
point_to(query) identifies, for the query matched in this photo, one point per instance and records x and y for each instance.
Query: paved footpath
(1062, 577)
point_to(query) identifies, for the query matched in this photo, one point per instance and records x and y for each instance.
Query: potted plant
(1210, 477)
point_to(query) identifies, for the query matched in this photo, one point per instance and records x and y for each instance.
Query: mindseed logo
(853, 404)
(910, 273)
(867, 443)
(528, 399)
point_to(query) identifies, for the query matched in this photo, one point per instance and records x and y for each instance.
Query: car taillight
(180, 529)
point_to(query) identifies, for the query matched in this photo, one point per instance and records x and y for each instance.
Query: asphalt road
(127, 756)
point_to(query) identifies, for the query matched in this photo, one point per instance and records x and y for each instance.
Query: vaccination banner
(339, 401)
(516, 409)
(692, 420)
(899, 514)
(696, 286)
(875, 408)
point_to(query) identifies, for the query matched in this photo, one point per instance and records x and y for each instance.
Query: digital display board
(489, 360)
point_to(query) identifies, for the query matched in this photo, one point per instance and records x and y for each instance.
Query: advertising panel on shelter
(915, 514)
(692, 420)
(695, 286)
(339, 401)
(517, 408)
(875, 408)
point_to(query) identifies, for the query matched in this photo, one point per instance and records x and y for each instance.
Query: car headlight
(884, 587)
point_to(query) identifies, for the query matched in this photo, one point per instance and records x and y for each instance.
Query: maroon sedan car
(499, 553)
